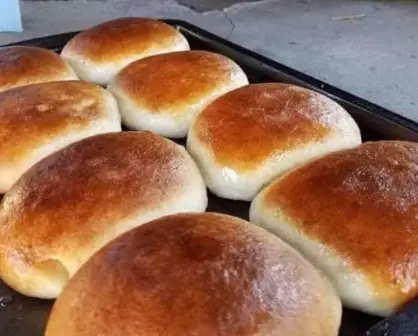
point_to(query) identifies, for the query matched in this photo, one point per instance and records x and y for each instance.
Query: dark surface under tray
(25, 316)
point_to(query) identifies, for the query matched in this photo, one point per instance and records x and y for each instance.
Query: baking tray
(25, 316)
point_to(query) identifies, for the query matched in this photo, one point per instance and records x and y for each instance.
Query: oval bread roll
(164, 93)
(99, 53)
(197, 274)
(31, 65)
(354, 214)
(249, 136)
(39, 119)
(73, 202)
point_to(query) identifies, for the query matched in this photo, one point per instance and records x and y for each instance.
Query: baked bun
(39, 119)
(354, 214)
(75, 201)
(99, 53)
(164, 93)
(31, 65)
(197, 274)
(249, 136)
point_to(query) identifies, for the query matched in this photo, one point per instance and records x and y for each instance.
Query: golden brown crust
(78, 194)
(31, 116)
(246, 126)
(163, 83)
(29, 65)
(189, 274)
(121, 38)
(363, 204)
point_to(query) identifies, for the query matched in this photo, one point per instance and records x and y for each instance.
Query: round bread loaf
(197, 274)
(75, 201)
(354, 214)
(250, 135)
(31, 65)
(39, 119)
(99, 53)
(164, 93)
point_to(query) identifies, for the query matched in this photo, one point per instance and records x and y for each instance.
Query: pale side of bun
(39, 119)
(197, 274)
(99, 53)
(23, 65)
(354, 214)
(249, 136)
(164, 93)
(73, 202)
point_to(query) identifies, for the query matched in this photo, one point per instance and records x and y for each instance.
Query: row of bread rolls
(72, 180)
(333, 209)
(42, 108)
(95, 55)
(70, 192)
(242, 140)
(350, 208)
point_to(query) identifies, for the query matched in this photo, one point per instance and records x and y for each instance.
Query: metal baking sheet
(23, 316)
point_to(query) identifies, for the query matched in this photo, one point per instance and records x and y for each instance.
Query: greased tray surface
(25, 316)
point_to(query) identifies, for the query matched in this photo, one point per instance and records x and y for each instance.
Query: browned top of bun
(245, 126)
(118, 38)
(363, 204)
(28, 65)
(196, 274)
(31, 115)
(165, 81)
(77, 193)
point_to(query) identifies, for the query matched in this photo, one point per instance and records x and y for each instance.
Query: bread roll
(250, 135)
(197, 274)
(99, 53)
(31, 65)
(73, 202)
(164, 93)
(354, 214)
(39, 119)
